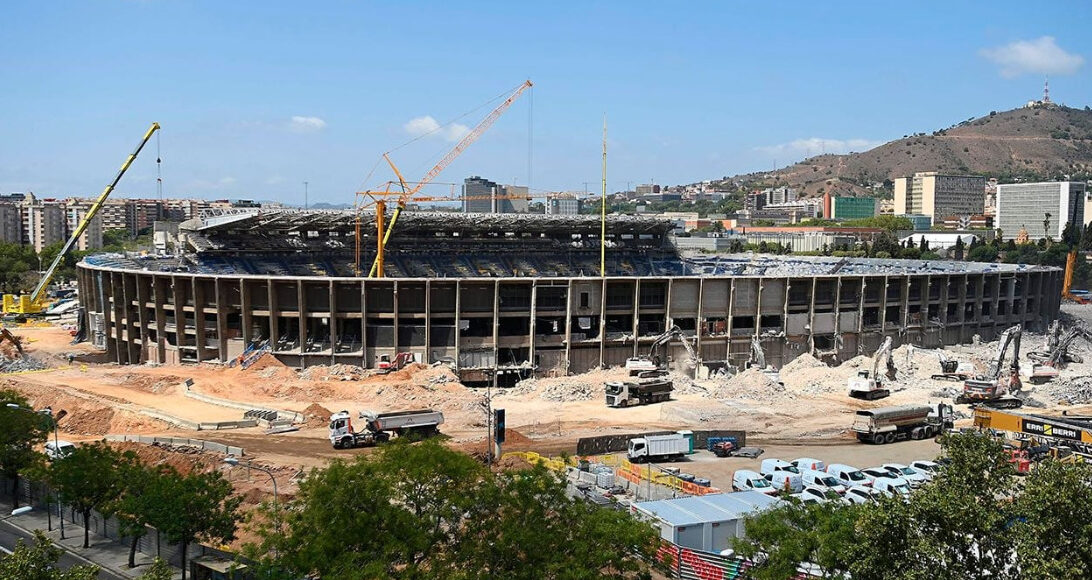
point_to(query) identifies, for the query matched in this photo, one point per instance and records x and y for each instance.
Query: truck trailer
(890, 424)
(654, 389)
(670, 447)
(378, 427)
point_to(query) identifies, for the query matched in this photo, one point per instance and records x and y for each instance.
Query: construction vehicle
(758, 360)
(1069, 434)
(891, 424)
(405, 191)
(952, 369)
(378, 427)
(653, 388)
(868, 384)
(6, 335)
(385, 365)
(996, 387)
(669, 447)
(1067, 280)
(1046, 364)
(35, 303)
(653, 361)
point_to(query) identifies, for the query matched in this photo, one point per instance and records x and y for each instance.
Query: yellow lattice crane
(405, 192)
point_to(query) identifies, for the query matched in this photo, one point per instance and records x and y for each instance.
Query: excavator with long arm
(1046, 364)
(758, 360)
(995, 388)
(653, 361)
(868, 384)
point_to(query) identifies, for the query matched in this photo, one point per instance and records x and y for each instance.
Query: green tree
(159, 570)
(196, 506)
(983, 253)
(1053, 533)
(136, 505)
(39, 562)
(90, 478)
(17, 266)
(782, 539)
(20, 431)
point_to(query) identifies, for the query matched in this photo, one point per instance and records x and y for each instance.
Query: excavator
(1046, 364)
(995, 388)
(652, 362)
(869, 385)
(952, 369)
(758, 360)
(6, 335)
(35, 304)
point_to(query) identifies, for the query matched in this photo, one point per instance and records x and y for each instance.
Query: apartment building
(940, 196)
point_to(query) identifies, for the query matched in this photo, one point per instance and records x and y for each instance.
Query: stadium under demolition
(503, 297)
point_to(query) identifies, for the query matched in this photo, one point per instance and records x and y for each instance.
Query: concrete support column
(199, 317)
(728, 323)
(496, 329)
(428, 323)
(602, 320)
(883, 306)
(860, 316)
(458, 324)
(364, 362)
(301, 314)
(142, 316)
(179, 314)
(274, 323)
(333, 323)
(222, 310)
(699, 325)
(245, 306)
(636, 313)
(568, 326)
(811, 319)
(533, 324)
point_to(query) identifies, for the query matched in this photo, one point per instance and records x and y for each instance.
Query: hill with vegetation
(1045, 141)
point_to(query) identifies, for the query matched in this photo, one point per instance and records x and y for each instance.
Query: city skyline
(256, 100)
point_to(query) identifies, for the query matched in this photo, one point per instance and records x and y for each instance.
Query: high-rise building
(565, 204)
(43, 224)
(74, 212)
(940, 196)
(1043, 209)
(852, 207)
(513, 199)
(783, 194)
(478, 194)
(11, 223)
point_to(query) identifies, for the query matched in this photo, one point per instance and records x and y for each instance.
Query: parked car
(874, 473)
(848, 475)
(771, 465)
(803, 463)
(822, 479)
(55, 450)
(805, 498)
(822, 494)
(911, 475)
(747, 480)
(929, 469)
(785, 480)
(862, 494)
(891, 486)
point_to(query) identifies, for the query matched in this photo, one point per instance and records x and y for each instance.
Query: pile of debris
(336, 372)
(19, 364)
(1067, 391)
(753, 385)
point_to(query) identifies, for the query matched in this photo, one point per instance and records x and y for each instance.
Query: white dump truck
(669, 447)
(890, 424)
(378, 427)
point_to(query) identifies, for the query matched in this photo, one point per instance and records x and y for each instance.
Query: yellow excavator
(35, 303)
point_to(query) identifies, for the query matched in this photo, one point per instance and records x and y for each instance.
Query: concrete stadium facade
(501, 329)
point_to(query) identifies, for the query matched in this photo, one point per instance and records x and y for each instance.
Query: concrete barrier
(281, 413)
(201, 443)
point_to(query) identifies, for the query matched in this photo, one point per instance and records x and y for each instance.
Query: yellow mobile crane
(35, 303)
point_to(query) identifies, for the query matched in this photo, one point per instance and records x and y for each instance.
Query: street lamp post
(17, 512)
(233, 461)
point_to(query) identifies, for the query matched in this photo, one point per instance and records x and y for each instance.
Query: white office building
(1041, 208)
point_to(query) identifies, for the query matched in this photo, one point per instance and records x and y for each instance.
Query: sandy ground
(806, 416)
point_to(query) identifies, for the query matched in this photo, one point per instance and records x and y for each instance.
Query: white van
(55, 450)
(782, 480)
(747, 480)
(822, 479)
(803, 463)
(771, 465)
(891, 486)
(848, 475)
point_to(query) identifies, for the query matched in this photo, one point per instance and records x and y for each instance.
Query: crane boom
(466, 141)
(91, 213)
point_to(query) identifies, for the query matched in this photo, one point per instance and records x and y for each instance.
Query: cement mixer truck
(378, 427)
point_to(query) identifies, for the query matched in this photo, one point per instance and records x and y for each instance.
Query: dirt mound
(751, 384)
(802, 362)
(315, 415)
(338, 372)
(589, 385)
(151, 384)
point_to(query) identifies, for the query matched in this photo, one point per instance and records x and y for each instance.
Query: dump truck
(670, 447)
(890, 424)
(378, 427)
(650, 389)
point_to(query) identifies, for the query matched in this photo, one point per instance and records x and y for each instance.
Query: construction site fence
(200, 443)
(687, 564)
(637, 473)
(615, 443)
(152, 543)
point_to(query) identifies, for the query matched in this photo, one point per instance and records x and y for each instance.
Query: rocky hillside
(1042, 142)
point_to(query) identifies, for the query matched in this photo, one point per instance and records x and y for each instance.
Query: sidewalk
(107, 554)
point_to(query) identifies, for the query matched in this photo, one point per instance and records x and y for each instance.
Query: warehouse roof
(718, 507)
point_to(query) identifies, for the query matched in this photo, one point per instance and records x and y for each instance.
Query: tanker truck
(378, 427)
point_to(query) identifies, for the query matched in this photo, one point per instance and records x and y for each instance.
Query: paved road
(9, 535)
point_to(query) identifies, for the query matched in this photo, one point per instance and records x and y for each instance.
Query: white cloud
(817, 145)
(306, 124)
(1040, 56)
(421, 126)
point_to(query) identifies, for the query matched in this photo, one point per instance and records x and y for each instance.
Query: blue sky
(257, 97)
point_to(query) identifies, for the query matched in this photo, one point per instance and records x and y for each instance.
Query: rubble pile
(751, 384)
(582, 387)
(19, 364)
(336, 372)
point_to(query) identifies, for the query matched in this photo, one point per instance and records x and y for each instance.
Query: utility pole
(305, 195)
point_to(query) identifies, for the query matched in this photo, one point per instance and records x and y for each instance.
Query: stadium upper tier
(451, 245)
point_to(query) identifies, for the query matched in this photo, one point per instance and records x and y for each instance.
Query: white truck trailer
(669, 447)
(890, 424)
(378, 427)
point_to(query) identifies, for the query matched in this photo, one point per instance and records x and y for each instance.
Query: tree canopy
(90, 478)
(20, 431)
(38, 562)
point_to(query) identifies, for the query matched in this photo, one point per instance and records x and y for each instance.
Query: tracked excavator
(758, 360)
(653, 362)
(996, 387)
(868, 384)
(1046, 364)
